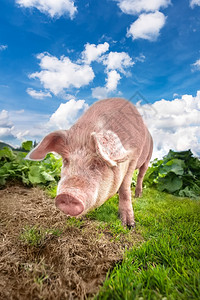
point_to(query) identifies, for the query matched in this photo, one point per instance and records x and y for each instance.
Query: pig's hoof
(138, 193)
(127, 220)
(130, 226)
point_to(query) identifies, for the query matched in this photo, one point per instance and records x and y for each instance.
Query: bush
(177, 173)
(13, 166)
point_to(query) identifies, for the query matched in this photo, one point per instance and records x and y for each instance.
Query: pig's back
(118, 115)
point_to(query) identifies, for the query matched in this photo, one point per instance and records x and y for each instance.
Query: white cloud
(111, 85)
(21, 135)
(92, 52)
(194, 2)
(6, 132)
(4, 119)
(147, 26)
(117, 61)
(67, 97)
(59, 74)
(28, 125)
(17, 126)
(53, 8)
(140, 58)
(174, 124)
(20, 125)
(114, 61)
(134, 7)
(66, 114)
(196, 65)
(3, 47)
(6, 126)
(100, 93)
(112, 80)
(175, 95)
(38, 95)
(21, 111)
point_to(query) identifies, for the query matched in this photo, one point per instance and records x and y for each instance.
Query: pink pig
(100, 153)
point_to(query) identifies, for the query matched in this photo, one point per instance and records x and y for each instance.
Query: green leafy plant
(13, 166)
(28, 145)
(177, 173)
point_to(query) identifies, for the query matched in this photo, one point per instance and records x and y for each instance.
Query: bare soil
(72, 265)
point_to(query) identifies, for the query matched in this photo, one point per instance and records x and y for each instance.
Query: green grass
(107, 212)
(108, 219)
(51, 190)
(167, 264)
(73, 222)
(35, 236)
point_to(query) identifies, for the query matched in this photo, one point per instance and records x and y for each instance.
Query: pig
(100, 153)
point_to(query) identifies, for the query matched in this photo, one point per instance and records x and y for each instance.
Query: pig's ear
(109, 147)
(53, 142)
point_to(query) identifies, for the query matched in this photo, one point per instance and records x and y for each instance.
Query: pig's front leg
(125, 203)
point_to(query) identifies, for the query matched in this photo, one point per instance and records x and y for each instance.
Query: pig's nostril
(69, 205)
(62, 202)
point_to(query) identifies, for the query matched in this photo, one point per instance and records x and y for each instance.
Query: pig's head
(88, 170)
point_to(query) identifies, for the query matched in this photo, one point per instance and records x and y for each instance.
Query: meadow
(45, 255)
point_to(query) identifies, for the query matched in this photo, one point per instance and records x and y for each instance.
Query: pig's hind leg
(125, 203)
(142, 171)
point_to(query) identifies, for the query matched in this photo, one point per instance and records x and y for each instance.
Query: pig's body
(100, 153)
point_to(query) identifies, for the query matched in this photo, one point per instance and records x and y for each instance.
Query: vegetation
(2, 145)
(177, 173)
(13, 166)
(166, 264)
(35, 236)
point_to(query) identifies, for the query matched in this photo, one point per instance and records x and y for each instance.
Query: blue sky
(58, 57)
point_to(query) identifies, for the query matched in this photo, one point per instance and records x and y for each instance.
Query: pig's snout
(69, 204)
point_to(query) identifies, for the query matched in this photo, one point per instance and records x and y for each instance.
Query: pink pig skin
(100, 153)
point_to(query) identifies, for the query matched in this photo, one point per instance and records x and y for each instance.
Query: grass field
(167, 264)
(46, 255)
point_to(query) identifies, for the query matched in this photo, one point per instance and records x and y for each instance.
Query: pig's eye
(96, 164)
(65, 161)
(92, 167)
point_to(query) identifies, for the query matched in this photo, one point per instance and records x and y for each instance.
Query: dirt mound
(44, 257)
